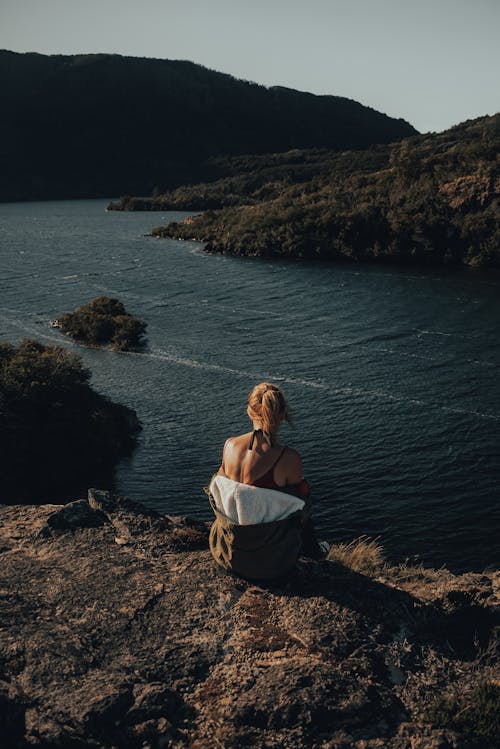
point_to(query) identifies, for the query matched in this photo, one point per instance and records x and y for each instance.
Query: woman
(260, 498)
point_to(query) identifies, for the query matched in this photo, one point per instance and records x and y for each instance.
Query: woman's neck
(269, 437)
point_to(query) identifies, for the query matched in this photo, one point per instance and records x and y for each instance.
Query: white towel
(249, 505)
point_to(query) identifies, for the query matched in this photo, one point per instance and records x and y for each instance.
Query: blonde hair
(267, 404)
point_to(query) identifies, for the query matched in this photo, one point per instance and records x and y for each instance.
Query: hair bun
(271, 410)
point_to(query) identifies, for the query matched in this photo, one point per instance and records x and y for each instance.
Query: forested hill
(432, 198)
(103, 125)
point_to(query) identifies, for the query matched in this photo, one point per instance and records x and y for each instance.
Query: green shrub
(38, 372)
(57, 435)
(104, 320)
(476, 714)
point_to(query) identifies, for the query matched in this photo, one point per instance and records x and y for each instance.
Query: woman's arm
(300, 488)
(221, 467)
(292, 467)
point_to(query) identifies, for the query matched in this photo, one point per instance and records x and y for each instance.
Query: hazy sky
(433, 62)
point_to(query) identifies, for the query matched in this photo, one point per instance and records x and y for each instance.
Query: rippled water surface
(392, 374)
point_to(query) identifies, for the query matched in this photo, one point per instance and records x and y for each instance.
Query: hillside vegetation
(247, 180)
(56, 433)
(431, 198)
(102, 125)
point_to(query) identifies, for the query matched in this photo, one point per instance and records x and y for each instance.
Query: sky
(434, 63)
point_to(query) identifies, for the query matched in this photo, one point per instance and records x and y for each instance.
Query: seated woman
(260, 498)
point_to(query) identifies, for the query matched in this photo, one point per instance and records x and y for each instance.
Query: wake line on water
(37, 333)
(175, 358)
(159, 301)
(443, 333)
(323, 338)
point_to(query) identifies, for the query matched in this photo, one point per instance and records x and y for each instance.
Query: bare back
(248, 465)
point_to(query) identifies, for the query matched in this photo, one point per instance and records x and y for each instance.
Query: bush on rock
(104, 320)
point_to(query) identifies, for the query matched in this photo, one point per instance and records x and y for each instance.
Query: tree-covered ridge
(101, 125)
(57, 434)
(431, 198)
(251, 179)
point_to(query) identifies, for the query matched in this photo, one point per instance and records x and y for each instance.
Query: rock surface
(117, 630)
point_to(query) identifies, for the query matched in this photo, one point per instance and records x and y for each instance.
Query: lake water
(391, 373)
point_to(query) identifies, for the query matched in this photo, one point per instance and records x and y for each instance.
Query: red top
(267, 480)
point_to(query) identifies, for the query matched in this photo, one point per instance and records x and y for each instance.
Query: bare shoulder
(292, 456)
(236, 441)
(292, 462)
(234, 445)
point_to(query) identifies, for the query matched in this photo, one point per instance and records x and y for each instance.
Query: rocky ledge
(117, 630)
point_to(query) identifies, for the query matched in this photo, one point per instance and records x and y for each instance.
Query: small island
(103, 321)
(57, 433)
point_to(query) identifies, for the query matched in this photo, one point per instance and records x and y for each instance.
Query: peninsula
(429, 199)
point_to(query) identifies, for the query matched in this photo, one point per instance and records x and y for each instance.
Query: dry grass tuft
(476, 714)
(363, 554)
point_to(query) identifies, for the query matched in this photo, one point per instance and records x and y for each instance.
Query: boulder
(102, 501)
(77, 514)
